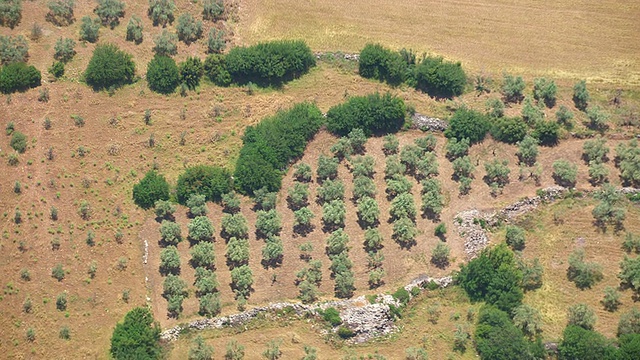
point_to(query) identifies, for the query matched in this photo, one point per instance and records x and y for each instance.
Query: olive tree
(170, 232)
(368, 212)
(527, 150)
(200, 229)
(268, 223)
(272, 252)
(202, 255)
(238, 252)
(565, 173)
(333, 214)
(234, 225)
(170, 260)
(161, 12)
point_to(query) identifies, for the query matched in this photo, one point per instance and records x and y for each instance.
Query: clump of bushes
(269, 147)
(109, 67)
(151, 188)
(138, 336)
(18, 76)
(188, 29)
(13, 49)
(210, 181)
(374, 114)
(134, 29)
(269, 63)
(161, 12)
(467, 124)
(10, 13)
(162, 74)
(89, 29)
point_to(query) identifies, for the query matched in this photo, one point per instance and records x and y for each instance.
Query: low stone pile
(426, 123)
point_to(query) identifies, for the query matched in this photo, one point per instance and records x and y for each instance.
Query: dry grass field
(561, 39)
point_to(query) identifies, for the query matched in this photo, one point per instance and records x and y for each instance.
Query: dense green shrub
(18, 142)
(10, 13)
(162, 74)
(191, 71)
(512, 88)
(547, 132)
(493, 277)
(269, 63)
(13, 49)
(440, 78)
(581, 95)
(580, 343)
(137, 337)
(270, 146)
(165, 43)
(60, 12)
(545, 90)
(64, 49)
(215, 68)
(377, 62)
(18, 77)
(151, 188)
(467, 124)
(188, 29)
(89, 29)
(134, 29)
(110, 12)
(161, 12)
(515, 237)
(497, 338)
(56, 69)
(509, 130)
(109, 67)
(210, 181)
(374, 114)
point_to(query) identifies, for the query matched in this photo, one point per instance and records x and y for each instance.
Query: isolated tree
(581, 95)
(630, 273)
(302, 220)
(344, 284)
(427, 166)
(531, 112)
(189, 30)
(609, 209)
(231, 203)
(565, 173)
(628, 159)
(18, 142)
(547, 132)
(629, 322)
(497, 173)
(595, 150)
(440, 255)
(597, 119)
(161, 12)
(363, 187)
(494, 108)
(337, 243)
(89, 29)
(373, 239)
(165, 43)
(170, 232)
(170, 260)
(272, 251)
(403, 206)
(531, 273)
(463, 168)
(432, 199)
(134, 29)
(10, 13)
(362, 166)
(265, 199)
(397, 185)
(242, 280)
(583, 274)
(582, 315)
(234, 225)
(110, 12)
(200, 229)
(234, 351)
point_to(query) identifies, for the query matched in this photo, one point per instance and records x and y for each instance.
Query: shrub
(440, 78)
(18, 77)
(161, 12)
(595, 150)
(60, 12)
(377, 62)
(61, 301)
(10, 13)
(390, 145)
(272, 62)
(415, 353)
(110, 12)
(134, 30)
(202, 255)
(496, 336)
(597, 119)
(213, 9)
(512, 88)
(64, 49)
(547, 132)
(13, 49)
(165, 43)
(162, 74)
(493, 277)
(170, 232)
(374, 114)
(137, 336)
(242, 280)
(151, 188)
(109, 67)
(564, 117)
(528, 320)
(170, 260)
(216, 70)
(565, 173)
(581, 315)
(509, 130)
(495, 108)
(545, 90)
(515, 237)
(271, 145)
(583, 274)
(18, 142)
(200, 229)
(440, 255)
(210, 181)
(629, 322)
(580, 343)
(581, 95)
(467, 124)
(189, 30)
(191, 71)
(58, 272)
(89, 29)
(56, 69)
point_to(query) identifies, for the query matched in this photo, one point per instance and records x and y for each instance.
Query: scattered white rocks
(426, 123)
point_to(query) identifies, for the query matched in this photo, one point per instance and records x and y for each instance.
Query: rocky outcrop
(426, 123)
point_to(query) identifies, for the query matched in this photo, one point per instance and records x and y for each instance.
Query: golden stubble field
(566, 38)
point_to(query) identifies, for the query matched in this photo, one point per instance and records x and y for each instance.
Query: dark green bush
(509, 130)
(18, 77)
(580, 343)
(210, 181)
(497, 338)
(18, 142)
(332, 316)
(215, 68)
(57, 69)
(377, 62)
(374, 114)
(162, 74)
(547, 132)
(493, 277)
(440, 78)
(402, 296)
(191, 71)
(109, 67)
(137, 337)
(151, 188)
(469, 124)
(270, 63)
(271, 145)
